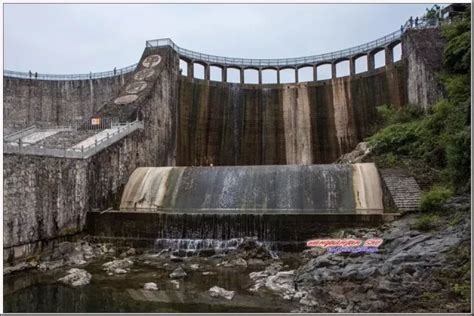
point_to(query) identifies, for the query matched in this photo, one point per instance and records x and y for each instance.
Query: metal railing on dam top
(91, 75)
(242, 62)
(314, 59)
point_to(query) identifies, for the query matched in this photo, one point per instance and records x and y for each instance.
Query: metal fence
(281, 62)
(92, 75)
(84, 152)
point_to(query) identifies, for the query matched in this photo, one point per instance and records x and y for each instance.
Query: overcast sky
(78, 38)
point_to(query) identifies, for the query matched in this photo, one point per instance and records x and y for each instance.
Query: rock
(311, 253)
(76, 277)
(361, 151)
(118, 266)
(129, 253)
(194, 267)
(175, 283)
(20, 267)
(255, 262)
(174, 258)
(150, 286)
(458, 203)
(308, 301)
(178, 273)
(216, 291)
(238, 262)
(282, 282)
(208, 273)
(50, 265)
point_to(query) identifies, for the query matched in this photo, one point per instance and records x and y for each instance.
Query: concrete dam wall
(28, 101)
(282, 189)
(307, 123)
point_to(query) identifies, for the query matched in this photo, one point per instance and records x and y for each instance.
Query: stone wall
(423, 51)
(46, 198)
(26, 101)
(307, 123)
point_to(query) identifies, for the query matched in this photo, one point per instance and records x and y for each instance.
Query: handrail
(123, 129)
(92, 75)
(297, 61)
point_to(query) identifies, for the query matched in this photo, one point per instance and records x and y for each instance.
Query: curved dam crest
(337, 189)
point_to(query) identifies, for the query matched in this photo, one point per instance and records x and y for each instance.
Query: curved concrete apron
(292, 189)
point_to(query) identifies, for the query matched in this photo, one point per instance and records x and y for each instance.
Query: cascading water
(191, 247)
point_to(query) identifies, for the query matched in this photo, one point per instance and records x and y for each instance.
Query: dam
(146, 152)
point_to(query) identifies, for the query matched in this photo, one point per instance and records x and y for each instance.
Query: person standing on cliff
(411, 21)
(36, 75)
(115, 71)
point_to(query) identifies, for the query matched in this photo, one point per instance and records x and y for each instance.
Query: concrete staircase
(403, 189)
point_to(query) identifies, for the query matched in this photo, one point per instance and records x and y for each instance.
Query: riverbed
(39, 291)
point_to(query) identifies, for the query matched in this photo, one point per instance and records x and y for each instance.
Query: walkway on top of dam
(370, 49)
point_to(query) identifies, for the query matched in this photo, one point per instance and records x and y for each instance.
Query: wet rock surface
(216, 291)
(178, 273)
(405, 275)
(69, 253)
(118, 266)
(76, 277)
(150, 286)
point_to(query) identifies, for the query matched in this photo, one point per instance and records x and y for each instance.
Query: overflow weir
(279, 204)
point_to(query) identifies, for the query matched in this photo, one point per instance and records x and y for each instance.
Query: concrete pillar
(388, 55)
(315, 73)
(224, 74)
(296, 75)
(242, 75)
(333, 70)
(352, 66)
(207, 72)
(191, 69)
(278, 75)
(259, 75)
(370, 61)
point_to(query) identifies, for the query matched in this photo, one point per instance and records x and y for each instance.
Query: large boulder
(118, 266)
(178, 273)
(150, 286)
(76, 277)
(216, 291)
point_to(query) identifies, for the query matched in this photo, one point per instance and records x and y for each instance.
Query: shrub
(396, 138)
(426, 222)
(432, 201)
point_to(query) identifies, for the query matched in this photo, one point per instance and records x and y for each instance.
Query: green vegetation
(432, 201)
(427, 222)
(435, 145)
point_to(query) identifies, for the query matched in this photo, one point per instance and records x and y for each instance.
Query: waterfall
(190, 247)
